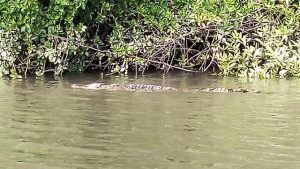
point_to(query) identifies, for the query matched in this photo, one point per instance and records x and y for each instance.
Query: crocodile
(149, 87)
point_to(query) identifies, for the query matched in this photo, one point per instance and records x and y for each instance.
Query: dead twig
(174, 67)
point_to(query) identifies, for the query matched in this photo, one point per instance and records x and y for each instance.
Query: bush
(244, 38)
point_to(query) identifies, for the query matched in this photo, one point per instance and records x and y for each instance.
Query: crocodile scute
(228, 90)
(130, 87)
(150, 87)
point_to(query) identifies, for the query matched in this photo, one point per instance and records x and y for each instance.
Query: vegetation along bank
(234, 37)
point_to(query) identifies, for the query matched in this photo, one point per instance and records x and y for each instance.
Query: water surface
(45, 124)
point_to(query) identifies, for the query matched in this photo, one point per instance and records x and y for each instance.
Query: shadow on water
(46, 124)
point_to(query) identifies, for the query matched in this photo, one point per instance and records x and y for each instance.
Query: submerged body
(130, 87)
(149, 87)
(229, 90)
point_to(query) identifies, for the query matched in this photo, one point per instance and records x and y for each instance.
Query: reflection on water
(44, 124)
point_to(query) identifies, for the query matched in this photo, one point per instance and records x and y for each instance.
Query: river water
(44, 124)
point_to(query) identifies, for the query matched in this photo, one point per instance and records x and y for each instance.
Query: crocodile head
(92, 86)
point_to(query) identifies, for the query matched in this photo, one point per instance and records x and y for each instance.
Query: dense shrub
(244, 38)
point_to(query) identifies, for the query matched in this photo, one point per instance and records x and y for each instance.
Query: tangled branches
(254, 39)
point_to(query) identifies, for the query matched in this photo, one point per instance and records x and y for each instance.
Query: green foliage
(270, 49)
(243, 38)
(9, 52)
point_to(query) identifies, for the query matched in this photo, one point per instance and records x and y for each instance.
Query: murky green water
(44, 124)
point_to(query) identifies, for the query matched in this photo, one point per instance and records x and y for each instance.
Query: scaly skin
(130, 87)
(147, 87)
(229, 90)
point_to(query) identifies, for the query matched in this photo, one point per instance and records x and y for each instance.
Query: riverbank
(251, 39)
